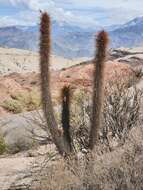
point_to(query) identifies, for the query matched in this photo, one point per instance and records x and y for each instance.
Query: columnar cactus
(66, 117)
(45, 48)
(63, 140)
(98, 88)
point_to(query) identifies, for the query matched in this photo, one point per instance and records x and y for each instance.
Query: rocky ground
(19, 171)
(20, 73)
(132, 56)
(112, 170)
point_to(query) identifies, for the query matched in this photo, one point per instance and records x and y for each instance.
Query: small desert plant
(80, 119)
(13, 106)
(23, 101)
(30, 100)
(3, 147)
(138, 72)
(122, 111)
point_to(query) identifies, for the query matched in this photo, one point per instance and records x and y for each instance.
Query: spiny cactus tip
(45, 18)
(102, 38)
(44, 14)
(66, 91)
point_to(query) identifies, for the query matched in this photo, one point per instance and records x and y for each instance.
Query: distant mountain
(129, 34)
(67, 39)
(71, 41)
(18, 37)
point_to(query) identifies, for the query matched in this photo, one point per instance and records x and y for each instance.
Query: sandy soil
(22, 61)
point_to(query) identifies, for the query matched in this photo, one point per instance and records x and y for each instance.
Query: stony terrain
(17, 172)
(132, 56)
(22, 172)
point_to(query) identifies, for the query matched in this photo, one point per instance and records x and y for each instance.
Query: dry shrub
(80, 119)
(57, 176)
(122, 112)
(121, 169)
(138, 71)
(23, 101)
(13, 106)
(29, 100)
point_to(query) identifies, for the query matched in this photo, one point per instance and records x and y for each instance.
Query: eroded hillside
(19, 75)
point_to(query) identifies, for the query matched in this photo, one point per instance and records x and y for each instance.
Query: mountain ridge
(71, 41)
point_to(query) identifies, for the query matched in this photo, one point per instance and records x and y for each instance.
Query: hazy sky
(86, 13)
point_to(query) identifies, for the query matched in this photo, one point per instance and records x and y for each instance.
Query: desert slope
(77, 77)
(23, 61)
(20, 72)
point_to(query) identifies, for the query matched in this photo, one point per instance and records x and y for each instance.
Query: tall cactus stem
(98, 88)
(45, 48)
(66, 117)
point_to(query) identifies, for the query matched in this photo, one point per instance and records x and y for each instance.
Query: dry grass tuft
(3, 147)
(23, 101)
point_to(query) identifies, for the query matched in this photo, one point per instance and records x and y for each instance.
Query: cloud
(23, 18)
(127, 4)
(8, 21)
(57, 13)
(32, 7)
(77, 12)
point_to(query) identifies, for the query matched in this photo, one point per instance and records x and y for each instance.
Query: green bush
(2, 145)
(12, 106)
(29, 100)
(23, 101)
